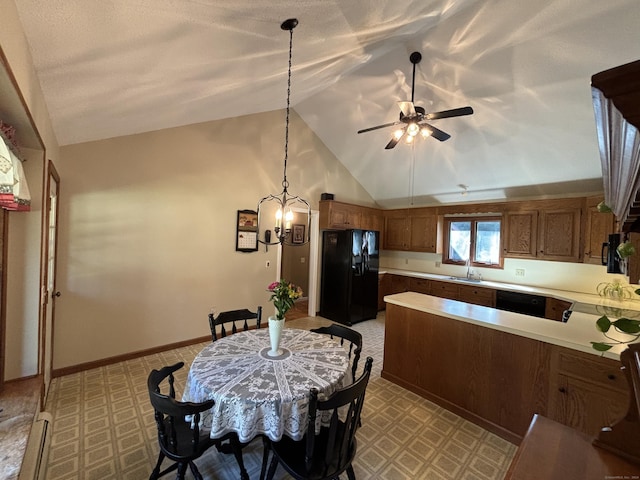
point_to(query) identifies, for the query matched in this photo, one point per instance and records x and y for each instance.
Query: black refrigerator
(349, 281)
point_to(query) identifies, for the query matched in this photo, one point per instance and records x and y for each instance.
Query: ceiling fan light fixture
(413, 129)
(284, 202)
(398, 134)
(412, 115)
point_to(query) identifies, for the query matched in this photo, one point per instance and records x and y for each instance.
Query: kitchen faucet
(468, 268)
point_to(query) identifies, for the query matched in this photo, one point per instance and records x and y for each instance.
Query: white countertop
(576, 334)
(568, 296)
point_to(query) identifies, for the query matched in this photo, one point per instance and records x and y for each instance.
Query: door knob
(56, 294)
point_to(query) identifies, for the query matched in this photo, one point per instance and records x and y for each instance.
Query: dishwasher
(519, 302)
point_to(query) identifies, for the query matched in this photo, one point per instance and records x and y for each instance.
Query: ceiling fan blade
(379, 126)
(456, 112)
(435, 132)
(407, 109)
(394, 141)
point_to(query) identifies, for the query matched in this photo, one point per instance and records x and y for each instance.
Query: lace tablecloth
(257, 394)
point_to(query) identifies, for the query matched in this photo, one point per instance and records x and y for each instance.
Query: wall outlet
(519, 272)
(268, 264)
(438, 264)
(303, 260)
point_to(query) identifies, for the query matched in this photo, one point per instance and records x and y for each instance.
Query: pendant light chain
(284, 229)
(285, 183)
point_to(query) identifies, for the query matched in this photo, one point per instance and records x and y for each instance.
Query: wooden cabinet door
(559, 235)
(384, 288)
(371, 219)
(597, 229)
(399, 283)
(343, 216)
(444, 290)
(423, 230)
(586, 406)
(586, 391)
(395, 231)
(339, 216)
(420, 285)
(477, 295)
(554, 308)
(520, 233)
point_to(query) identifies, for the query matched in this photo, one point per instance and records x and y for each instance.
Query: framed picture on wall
(297, 234)
(247, 231)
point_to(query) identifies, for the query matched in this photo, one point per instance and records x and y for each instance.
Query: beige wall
(147, 229)
(573, 277)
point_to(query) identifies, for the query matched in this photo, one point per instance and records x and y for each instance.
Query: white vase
(275, 333)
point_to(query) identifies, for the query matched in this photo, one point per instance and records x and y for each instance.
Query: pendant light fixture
(284, 202)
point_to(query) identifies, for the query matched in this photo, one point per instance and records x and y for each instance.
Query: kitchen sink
(465, 279)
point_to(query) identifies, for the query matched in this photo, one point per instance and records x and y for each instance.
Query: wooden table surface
(552, 451)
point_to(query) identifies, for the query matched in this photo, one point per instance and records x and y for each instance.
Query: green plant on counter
(603, 207)
(615, 290)
(622, 325)
(628, 326)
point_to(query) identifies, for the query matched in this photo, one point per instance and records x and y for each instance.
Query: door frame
(47, 301)
(314, 253)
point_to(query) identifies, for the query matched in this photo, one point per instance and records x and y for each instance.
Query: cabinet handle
(611, 376)
(562, 390)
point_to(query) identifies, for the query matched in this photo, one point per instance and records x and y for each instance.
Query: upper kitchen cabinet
(545, 230)
(371, 219)
(396, 234)
(598, 226)
(520, 233)
(339, 216)
(423, 230)
(414, 229)
(344, 216)
(559, 233)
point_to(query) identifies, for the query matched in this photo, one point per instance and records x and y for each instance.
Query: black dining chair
(181, 440)
(231, 317)
(324, 454)
(345, 334)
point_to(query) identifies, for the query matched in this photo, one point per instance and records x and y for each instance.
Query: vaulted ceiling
(121, 67)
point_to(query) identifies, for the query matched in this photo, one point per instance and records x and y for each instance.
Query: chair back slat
(170, 415)
(345, 334)
(231, 317)
(339, 437)
(178, 425)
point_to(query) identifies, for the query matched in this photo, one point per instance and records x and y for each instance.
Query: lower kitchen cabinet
(384, 288)
(477, 295)
(444, 289)
(554, 308)
(420, 285)
(398, 284)
(500, 380)
(587, 392)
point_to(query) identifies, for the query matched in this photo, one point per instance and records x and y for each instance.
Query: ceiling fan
(413, 117)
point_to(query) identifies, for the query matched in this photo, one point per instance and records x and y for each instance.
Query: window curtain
(619, 143)
(14, 191)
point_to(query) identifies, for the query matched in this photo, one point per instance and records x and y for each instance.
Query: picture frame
(297, 234)
(247, 231)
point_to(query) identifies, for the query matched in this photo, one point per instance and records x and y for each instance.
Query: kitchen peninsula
(498, 368)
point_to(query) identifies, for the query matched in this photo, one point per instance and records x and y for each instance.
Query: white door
(50, 294)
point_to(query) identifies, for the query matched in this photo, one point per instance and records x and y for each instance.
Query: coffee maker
(612, 260)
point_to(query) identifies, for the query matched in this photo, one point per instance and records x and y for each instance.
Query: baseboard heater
(34, 462)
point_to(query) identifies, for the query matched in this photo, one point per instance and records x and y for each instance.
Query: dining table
(258, 394)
